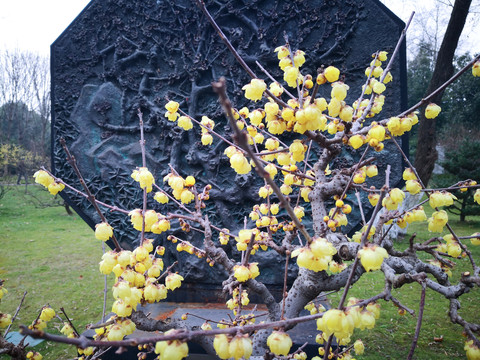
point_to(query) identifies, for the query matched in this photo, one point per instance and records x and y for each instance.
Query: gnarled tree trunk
(427, 140)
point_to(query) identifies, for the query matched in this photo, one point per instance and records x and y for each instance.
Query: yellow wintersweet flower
(240, 164)
(413, 186)
(276, 88)
(171, 116)
(284, 63)
(241, 273)
(207, 139)
(476, 69)
(5, 320)
(144, 177)
(185, 123)
(254, 90)
(409, 174)
(271, 110)
(43, 178)
(279, 343)
(339, 90)
(359, 347)
(271, 144)
(334, 107)
(34, 355)
(299, 58)
(472, 351)
(432, 110)
(476, 197)
(373, 198)
(291, 75)
(172, 106)
(346, 113)
(221, 346)
(103, 231)
(297, 149)
(371, 257)
(171, 350)
(299, 212)
(331, 73)
(382, 55)
(240, 346)
(388, 78)
(377, 132)
(161, 197)
(356, 141)
(187, 196)
(378, 87)
(160, 226)
(173, 281)
(256, 117)
(265, 191)
(372, 170)
(54, 188)
(437, 221)
(282, 51)
(276, 127)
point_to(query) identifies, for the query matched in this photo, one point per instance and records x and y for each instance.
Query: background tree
(24, 105)
(426, 153)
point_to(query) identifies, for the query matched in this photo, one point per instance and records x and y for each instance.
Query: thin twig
(235, 53)
(144, 165)
(285, 276)
(419, 322)
(69, 321)
(15, 315)
(91, 197)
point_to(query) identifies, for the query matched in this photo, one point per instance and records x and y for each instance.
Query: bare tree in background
(40, 75)
(426, 154)
(24, 101)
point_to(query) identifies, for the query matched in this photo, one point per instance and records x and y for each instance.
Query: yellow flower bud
(331, 73)
(432, 110)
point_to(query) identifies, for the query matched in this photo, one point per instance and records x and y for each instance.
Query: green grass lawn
(52, 256)
(55, 258)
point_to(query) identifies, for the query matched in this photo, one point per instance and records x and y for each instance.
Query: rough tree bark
(426, 153)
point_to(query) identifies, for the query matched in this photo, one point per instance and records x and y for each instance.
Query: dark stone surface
(122, 55)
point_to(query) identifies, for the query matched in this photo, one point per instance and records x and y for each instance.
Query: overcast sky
(34, 24)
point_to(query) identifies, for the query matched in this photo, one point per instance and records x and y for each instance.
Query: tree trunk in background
(426, 153)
